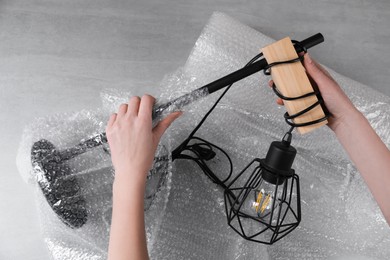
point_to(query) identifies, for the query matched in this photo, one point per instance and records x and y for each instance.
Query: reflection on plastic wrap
(186, 219)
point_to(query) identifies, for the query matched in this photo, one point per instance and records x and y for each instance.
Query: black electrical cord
(288, 118)
(203, 151)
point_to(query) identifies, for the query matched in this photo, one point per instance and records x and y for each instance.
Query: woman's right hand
(336, 101)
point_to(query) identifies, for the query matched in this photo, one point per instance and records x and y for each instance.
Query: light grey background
(56, 56)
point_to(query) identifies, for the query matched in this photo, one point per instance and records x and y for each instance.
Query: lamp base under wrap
(187, 219)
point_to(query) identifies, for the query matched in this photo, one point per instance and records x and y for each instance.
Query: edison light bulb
(262, 200)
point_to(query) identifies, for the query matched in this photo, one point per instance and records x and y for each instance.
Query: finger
(322, 69)
(270, 83)
(133, 106)
(112, 119)
(318, 73)
(316, 64)
(122, 110)
(160, 128)
(279, 101)
(146, 106)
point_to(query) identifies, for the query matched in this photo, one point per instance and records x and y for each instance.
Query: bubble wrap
(340, 219)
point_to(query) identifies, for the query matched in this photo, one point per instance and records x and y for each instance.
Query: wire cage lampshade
(263, 202)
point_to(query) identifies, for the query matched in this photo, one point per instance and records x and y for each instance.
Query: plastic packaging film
(186, 219)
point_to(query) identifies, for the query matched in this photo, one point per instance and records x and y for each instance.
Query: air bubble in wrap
(340, 219)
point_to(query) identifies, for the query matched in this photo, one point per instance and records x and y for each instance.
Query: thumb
(160, 128)
(316, 72)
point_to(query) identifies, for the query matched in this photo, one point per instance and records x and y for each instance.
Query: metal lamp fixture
(263, 202)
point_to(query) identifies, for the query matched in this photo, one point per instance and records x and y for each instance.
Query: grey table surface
(56, 56)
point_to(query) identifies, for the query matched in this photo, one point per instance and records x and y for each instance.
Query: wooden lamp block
(292, 81)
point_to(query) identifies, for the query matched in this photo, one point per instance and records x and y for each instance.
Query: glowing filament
(259, 205)
(265, 203)
(259, 196)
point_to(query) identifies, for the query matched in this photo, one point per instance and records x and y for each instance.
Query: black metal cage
(270, 215)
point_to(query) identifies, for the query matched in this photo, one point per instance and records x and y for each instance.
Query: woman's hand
(336, 101)
(132, 140)
(133, 143)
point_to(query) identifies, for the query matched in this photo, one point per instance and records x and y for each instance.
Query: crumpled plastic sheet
(340, 218)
